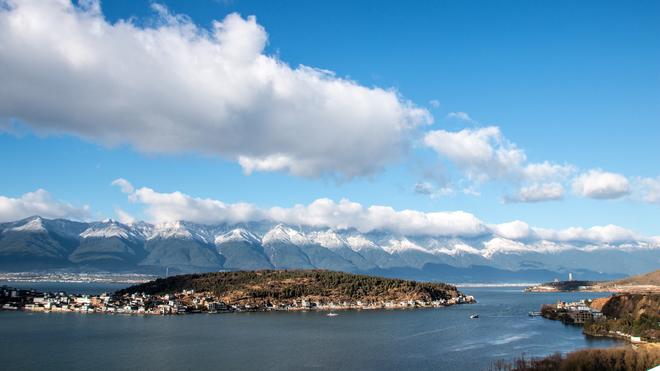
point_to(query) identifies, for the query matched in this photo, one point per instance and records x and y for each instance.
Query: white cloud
(546, 171)
(482, 153)
(518, 230)
(599, 184)
(177, 88)
(163, 207)
(123, 184)
(538, 193)
(124, 217)
(597, 234)
(434, 103)
(649, 189)
(485, 154)
(471, 191)
(515, 230)
(460, 116)
(41, 203)
(345, 214)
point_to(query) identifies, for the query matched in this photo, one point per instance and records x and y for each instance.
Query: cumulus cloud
(39, 202)
(485, 154)
(482, 153)
(597, 234)
(599, 184)
(537, 193)
(608, 234)
(515, 230)
(547, 171)
(163, 207)
(174, 87)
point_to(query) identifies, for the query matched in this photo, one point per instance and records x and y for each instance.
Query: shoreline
(193, 302)
(636, 289)
(273, 310)
(111, 278)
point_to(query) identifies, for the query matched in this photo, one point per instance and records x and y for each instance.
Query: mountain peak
(237, 235)
(174, 229)
(400, 245)
(283, 234)
(31, 224)
(329, 239)
(360, 242)
(107, 229)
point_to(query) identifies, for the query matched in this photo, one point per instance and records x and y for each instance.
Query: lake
(442, 338)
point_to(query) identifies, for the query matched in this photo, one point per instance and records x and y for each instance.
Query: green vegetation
(633, 314)
(291, 284)
(615, 359)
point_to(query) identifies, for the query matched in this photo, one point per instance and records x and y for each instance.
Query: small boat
(534, 314)
(474, 316)
(332, 314)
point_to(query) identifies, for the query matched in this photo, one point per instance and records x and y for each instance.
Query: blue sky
(576, 84)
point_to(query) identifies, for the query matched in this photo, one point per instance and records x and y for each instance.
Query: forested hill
(634, 314)
(292, 284)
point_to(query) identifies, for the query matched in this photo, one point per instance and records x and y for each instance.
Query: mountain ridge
(38, 243)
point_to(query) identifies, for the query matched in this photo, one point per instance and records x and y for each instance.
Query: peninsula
(645, 283)
(264, 290)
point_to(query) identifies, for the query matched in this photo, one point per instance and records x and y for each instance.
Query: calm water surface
(385, 339)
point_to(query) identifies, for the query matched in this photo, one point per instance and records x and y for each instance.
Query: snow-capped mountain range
(38, 243)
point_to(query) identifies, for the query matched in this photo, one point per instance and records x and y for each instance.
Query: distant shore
(63, 277)
(595, 287)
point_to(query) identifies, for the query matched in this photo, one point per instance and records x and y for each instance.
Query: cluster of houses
(577, 312)
(180, 303)
(186, 301)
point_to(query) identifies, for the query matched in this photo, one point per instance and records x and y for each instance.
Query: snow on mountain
(395, 246)
(237, 235)
(286, 235)
(328, 239)
(177, 229)
(360, 242)
(499, 245)
(33, 225)
(458, 249)
(190, 244)
(107, 229)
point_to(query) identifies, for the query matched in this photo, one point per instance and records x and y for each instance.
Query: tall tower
(570, 276)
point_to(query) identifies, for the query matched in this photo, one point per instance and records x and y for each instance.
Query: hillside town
(578, 312)
(185, 302)
(630, 317)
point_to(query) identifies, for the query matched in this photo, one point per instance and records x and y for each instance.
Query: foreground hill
(37, 244)
(276, 286)
(632, 314)
(611, 359)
